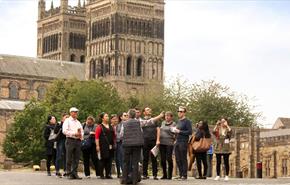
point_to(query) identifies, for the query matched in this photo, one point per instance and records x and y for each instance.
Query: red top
(99, 131)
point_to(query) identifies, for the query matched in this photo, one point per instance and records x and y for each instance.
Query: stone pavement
(40, 178)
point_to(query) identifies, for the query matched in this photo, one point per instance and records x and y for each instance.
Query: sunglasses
(180, 111)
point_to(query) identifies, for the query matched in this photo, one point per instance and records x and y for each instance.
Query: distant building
(281, 123)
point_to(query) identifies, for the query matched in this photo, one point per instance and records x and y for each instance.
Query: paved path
(40, 178)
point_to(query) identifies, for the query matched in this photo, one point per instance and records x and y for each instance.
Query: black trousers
(181, 158)
(201, 158)
(131, 160)
(50, 158)
(148, 145)
(73, 153)
(90, 154)
(166, 157)
(106, 164)
(226, 163)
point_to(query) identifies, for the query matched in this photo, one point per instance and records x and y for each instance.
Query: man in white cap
(73, 130)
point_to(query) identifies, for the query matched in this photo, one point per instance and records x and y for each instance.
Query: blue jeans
(119, 157)
(60, 154)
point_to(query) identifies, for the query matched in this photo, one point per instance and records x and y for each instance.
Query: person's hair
(91, 118)
(64, 114)
(113, 116)
(49, 118)
(101, 116)
(169, 113)
(204, 127)
(182, 107)
(132, 113)
(136, 108)
(145, 108)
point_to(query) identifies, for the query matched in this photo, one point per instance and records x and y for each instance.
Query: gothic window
(13, 91)
(128, 66)
(72, 58)
(139, 67)
(108, 67)
(82, 59)
(41, 93)
(101, 68)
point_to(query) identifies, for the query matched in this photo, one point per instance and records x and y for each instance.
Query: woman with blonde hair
(222, 132)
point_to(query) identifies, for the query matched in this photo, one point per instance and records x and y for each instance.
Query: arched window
(139, 67)
(129, 63)
(13, 91)
(82, 59)
(41, 93)
(108, 67)
(101, 68)
(73, 58)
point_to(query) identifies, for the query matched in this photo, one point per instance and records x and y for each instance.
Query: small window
(13, 91)
(72, 58)
(139, 67)
(41, 93)
(82, 59)
(129, 63)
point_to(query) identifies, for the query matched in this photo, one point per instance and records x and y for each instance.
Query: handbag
(52, 135)
(86, 143)
(202, 145)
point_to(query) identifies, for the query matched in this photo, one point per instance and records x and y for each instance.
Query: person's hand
(162, 114)
(177, 131)
(158, 142)
(226, 124)
(78, 135)
(92, 133)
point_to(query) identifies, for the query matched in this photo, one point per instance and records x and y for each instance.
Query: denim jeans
(60, 155)
(119, 157)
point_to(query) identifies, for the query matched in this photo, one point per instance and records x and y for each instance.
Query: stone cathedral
(119, 41)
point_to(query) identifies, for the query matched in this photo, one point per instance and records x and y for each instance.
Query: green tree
(24, 140)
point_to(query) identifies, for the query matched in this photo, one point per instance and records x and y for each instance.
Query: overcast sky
(242, 44)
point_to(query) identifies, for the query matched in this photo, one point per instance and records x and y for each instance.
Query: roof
(282, 122)
(275, 133)
(12, 105)
(20, 66)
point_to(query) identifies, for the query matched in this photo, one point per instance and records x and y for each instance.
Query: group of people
(129, 139)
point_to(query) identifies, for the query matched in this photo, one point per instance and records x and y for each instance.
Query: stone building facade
(121, 42)
(61, 32)
(23, 78)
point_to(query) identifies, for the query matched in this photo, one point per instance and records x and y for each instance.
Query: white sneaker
(217, 178)
(226, 178)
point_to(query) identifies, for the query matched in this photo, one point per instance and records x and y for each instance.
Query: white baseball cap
(73, 109)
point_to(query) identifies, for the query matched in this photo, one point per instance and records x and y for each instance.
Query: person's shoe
(203, 177)
(155, 178)
(64, 175)
(101, 177)
(145, 177)
(71, 177)
(183, 178)
(48, 174)
(163, 178)
(217, 178)
(109, 177)
(88, 177)
(177, 178)
(226, 178)
(77, 177)
(57, 174)
(169, 178)
(198, 177)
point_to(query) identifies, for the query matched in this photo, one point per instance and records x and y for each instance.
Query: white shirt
(71, 126)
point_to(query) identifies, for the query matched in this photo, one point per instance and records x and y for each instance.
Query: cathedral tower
(125, 43)
(61, 32)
